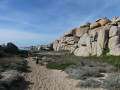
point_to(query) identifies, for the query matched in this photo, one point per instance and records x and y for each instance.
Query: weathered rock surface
(94, 48)
(82, 51)
(114, 51)
(88, 45)
(70, 32)
(104, 21)
(93, 36)
(102, 41)
(114, 30)
(86, 24)
(81, 31)
(55, 45)
(92, 39)
(113, 41)
(82, 40)
(95, 25)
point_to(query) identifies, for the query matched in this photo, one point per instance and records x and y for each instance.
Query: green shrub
(59, 65)
(105, 51)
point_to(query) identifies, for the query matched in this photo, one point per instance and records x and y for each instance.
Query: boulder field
(91, 39)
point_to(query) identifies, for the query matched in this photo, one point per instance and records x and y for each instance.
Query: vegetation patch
(91, 84)
(83, 72)
(59, 65)
(11, 83)
(19, 65)
(113, 80)
(19, 53)
(14, 63)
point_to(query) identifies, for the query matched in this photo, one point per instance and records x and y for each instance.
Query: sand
(42, 78)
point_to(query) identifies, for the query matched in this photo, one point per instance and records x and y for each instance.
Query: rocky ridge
(91, 39)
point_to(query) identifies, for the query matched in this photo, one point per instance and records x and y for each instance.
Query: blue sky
(35, 22)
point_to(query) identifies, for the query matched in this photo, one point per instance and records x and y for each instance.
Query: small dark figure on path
(37, 61)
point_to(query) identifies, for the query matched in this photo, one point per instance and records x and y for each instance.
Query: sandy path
(45, 79)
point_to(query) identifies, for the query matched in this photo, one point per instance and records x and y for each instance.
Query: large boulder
(70, 32)
(93, 36)
(69, 39)
(95, 25)
(82, 40)
(113, 41)
(104, 21)
(88, 45)
(86, 24)
(71, 43)
(114, 51)
(102, 41)
(11, 47)
(62, 38)
(81, 31)
(114, 19)
(94, 48)
(98, 19)
(55, 45)
(117, 20)
(107, 26)
(114, 30)
(82, 51)
(75, 51)
(2, 47)
(73, 48)
(39, 48)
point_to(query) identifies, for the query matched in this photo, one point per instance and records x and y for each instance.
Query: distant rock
(11, 47)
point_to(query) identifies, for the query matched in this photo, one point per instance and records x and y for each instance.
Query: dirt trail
(45, 79)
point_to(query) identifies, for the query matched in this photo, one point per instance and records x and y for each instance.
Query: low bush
(11, 83)
(20, 53)
(113, 60)
(13, 63)
(113, 80)
(82, 72)
(91, 84)
(19, 65)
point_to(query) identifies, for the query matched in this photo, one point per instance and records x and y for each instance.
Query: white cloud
(27, 37)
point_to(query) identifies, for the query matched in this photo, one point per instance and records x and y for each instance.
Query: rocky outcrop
(9, 47)
(92, 39)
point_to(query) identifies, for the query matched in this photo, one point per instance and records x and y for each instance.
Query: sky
(38, 22)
